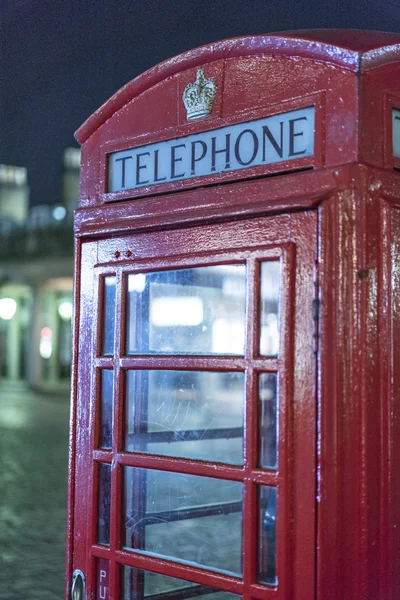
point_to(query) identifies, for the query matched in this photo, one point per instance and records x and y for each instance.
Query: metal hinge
(315, 309)
(316, 303)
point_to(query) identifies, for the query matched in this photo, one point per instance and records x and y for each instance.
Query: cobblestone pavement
(33, 476)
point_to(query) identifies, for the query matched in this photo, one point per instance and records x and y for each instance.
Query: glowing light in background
(46, 342)
(65, 311)
(8, 308)
(136, 283)
(270, 336)
(59, 213)
(227, 336)
(180, 311)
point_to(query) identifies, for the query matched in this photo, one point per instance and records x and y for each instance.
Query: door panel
(195, 413)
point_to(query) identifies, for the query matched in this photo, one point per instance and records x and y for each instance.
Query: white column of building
(53, 323)
(35, 360)
(13, 346)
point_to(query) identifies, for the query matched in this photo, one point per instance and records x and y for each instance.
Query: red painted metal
(334, 220)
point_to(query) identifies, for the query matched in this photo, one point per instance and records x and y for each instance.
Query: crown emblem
(198, 97)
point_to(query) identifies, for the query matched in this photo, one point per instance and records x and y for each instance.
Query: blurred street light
(8, 308)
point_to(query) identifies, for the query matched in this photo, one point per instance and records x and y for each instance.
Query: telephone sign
(234, 427)
(264, 141)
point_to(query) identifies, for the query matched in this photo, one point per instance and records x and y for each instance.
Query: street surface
(33, 478)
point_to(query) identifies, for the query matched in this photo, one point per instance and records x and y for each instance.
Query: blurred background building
(36, 279)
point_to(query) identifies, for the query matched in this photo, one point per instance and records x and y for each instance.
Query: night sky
(61, 59)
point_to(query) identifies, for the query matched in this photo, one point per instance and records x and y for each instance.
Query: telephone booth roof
(352, 49)
(348, 80)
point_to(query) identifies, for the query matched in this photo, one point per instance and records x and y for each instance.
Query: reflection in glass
(106, 407)
(108, 315)
(267, 535)
(103, 523)
(270, 280)
(267, 389)
(137, 584)
(191, 414)
(187, 311)
(191, 519)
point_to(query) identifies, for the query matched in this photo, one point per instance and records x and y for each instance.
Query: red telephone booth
(235, 428)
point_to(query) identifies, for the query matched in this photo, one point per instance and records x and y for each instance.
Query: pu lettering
(103, 592)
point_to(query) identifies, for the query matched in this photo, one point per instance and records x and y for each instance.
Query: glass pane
(136, 584)
(103, 523)
(102, 579)
(267, 536)
(187, 311)
(106, 407)
(267, 389)
(109, 316)
(192, 519)
(190, 414)
(270, 280)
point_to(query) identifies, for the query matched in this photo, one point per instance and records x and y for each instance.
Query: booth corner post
(235, 406)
